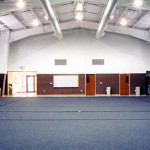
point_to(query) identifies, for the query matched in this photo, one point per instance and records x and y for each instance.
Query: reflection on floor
(24, 95)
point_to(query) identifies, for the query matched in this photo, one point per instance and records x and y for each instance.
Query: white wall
(122, 54)
(4, 50)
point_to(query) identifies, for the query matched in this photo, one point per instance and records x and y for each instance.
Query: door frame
(19, 71)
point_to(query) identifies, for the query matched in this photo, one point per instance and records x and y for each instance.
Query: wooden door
(124, 84)
(90, 84)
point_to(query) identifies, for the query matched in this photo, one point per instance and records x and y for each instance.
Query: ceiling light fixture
(123, 22)
(20, 4)
(35, 22)
(79, 7)
(79, 16)
(138, 3)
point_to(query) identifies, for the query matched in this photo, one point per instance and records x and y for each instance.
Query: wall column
(4, 51)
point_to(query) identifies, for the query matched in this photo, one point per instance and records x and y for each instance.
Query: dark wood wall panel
(138, 80)
(1, 82)
(107, 80)
(44, 86)
(6, 87)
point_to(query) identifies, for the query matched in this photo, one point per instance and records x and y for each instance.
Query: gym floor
(75, 123)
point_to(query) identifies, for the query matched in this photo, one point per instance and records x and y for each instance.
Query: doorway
(124, 84)
(90, 84)
(22, 84)
(30, 82)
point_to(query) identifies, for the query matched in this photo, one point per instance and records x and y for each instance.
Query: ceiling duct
(52, 18)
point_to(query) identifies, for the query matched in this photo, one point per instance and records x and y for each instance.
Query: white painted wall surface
(4, 50)
(122, 54)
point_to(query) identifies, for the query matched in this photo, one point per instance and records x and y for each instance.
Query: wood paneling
(2, 77)
(45, 86)
(90, 84)
(1, 82)
(107, 80)
(138, 80)
(124, 84)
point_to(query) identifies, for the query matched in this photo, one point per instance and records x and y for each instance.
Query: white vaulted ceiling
(19, 21)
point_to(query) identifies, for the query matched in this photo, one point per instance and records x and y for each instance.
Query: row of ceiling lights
(79, 11)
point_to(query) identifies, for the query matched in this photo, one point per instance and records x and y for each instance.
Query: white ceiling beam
(17, 35)
(50, 13)
(140, 34)
(5, 27)
(104, 21)
(19, 20)
(139, 19)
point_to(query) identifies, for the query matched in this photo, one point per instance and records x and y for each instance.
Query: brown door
(124, 84)
(90, 84)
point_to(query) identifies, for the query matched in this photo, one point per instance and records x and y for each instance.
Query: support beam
(50, 13)
(139, 19)
(4, 26)
(19, 20)
(108, 11)
(137, 33)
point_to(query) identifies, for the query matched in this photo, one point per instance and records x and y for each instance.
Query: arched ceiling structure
(99, 15)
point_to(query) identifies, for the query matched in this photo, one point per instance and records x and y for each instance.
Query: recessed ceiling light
(20, 4)
(79, 16)
(138, 3)
(123, 21)
(35, 22)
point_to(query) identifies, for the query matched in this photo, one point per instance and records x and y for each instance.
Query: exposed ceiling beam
(4, 26)
(140, 34)
(50, 13)
(104, 21)
(139, 19)
(19, 20)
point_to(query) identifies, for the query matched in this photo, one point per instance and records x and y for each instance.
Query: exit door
(124, 84)
(90, 84)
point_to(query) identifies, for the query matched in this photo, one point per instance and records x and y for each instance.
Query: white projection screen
(65, 81)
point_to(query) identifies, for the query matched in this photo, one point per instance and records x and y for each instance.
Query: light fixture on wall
(123, 21)
(20, 4)
(138, 3)
(35, 22)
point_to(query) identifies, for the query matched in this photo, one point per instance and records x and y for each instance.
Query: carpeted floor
(75, 123)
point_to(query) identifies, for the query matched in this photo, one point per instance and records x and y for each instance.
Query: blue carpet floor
(81, 123)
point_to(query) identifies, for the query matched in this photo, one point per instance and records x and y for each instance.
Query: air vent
(60, 62)
(97, 61)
